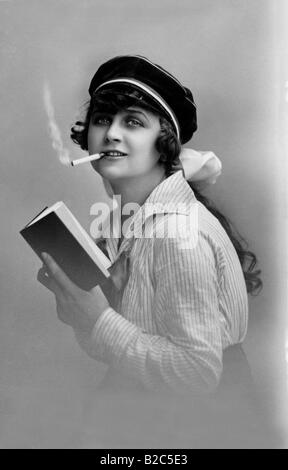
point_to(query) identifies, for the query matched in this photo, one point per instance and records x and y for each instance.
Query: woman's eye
(134, 122)
(101, 120)
(106, 121)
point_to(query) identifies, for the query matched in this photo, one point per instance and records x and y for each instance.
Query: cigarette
(90, 158)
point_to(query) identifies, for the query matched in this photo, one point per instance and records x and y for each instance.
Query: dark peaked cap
(175, 99)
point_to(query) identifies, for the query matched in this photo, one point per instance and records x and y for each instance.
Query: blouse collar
(172, 195)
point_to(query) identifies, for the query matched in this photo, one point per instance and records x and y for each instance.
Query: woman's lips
(110, 155)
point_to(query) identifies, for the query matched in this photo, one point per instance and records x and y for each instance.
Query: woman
(179, 303)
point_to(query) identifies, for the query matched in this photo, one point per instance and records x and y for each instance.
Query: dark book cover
(51, 235)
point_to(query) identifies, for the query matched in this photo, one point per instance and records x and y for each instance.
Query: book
(56, 231)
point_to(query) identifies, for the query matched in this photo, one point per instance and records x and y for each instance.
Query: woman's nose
(113, 132)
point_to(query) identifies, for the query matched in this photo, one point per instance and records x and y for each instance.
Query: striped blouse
(185, 300)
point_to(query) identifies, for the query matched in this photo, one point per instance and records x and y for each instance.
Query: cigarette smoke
(54, 131)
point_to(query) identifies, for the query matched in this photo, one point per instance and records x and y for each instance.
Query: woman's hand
(75, 307)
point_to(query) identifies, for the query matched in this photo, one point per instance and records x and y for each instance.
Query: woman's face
(132, 132)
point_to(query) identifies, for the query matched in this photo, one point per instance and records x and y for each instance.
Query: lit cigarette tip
(90, 158)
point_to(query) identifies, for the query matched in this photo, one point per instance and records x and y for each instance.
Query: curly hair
(112, 101)
(169, 148)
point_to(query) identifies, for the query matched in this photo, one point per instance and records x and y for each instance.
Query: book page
(83, 238)
(46, 212)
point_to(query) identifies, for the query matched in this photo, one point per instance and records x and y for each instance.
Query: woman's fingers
(59, 276)
(75, 307)
(62, 314)
(50, 284)
(47, 281)
(65, 305)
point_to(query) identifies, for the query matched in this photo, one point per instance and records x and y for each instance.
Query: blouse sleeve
(186, 354)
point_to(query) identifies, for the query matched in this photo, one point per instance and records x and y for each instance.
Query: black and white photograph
(143, 197)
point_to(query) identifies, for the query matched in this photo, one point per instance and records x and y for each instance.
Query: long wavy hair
(169, 148)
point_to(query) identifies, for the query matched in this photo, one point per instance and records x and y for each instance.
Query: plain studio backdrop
(230, 53)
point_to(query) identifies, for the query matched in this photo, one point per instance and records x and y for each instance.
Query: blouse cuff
(111, 335)
(109, 338)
